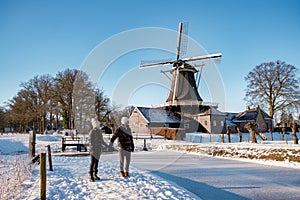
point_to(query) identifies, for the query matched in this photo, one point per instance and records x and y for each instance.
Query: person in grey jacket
(95, 143)
(125, 144)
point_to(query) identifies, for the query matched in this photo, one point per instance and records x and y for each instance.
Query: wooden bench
(79, 142)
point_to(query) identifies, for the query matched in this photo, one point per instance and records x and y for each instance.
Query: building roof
(159, 115)
(229, 117)
(215, 111)
(249, 115)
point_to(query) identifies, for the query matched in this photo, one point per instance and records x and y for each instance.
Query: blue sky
(45, 37)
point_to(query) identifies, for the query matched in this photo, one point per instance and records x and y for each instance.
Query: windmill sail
(182, 40)
(154, 63)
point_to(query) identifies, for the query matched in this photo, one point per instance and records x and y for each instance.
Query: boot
(92, 177)
(96, 177)
(126, 174)
(122, 174)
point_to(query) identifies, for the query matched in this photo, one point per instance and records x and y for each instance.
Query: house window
(205, 123)
(215, 123)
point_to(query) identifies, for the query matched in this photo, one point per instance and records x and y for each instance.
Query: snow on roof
(159, 115)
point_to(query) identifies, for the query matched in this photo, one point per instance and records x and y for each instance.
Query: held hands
(110, 147)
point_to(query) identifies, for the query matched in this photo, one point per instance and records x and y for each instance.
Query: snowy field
(70, 179)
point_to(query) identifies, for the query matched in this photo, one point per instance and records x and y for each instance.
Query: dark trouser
(125, 158)
(94, 165)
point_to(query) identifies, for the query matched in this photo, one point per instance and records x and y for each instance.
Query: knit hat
(124, 120)
(95, 123)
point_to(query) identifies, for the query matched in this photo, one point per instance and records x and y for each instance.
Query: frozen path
(216, 178)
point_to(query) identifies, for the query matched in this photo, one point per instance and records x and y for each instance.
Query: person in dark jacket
(95, 143)
(125, 144)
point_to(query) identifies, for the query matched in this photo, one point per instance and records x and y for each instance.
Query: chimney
(247, 108)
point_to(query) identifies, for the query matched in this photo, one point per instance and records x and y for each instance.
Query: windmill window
(205, 122)
(215, 123)
(222, 123)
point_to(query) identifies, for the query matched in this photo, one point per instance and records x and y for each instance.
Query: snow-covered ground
(70, 180)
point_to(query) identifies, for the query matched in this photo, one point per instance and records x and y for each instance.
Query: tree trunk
(294, 133)
(271, 110)
(252, 136)
(262, 136)
(271, 134)
(282, 133)
(240, 134)
(251, 127)
(228, 129)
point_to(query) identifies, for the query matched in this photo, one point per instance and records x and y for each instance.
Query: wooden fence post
(49, 158)
(145, 146)
(32, 143)
(43, 176)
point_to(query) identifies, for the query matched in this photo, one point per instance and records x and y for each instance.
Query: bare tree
(29, 108)
(54, 108)
(102, 106)
(22, 110)
(83, 108)
(273, 84)
(251, 127)
(40, 88)
(64, 82)
(44, 100)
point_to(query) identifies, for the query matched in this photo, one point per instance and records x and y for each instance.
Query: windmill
(183, 89)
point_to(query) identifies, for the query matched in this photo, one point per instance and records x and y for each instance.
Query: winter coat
(95, 142)
(125, 139)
